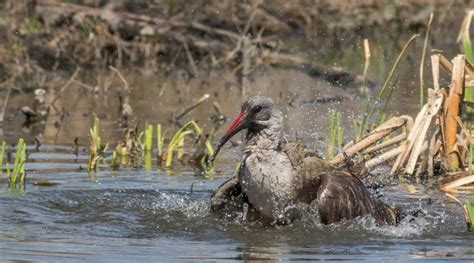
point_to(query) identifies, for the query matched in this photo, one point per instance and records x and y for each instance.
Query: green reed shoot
(147, 164)
(17, 176)
(210, 152)
(95, 149)
(369, 108)
(159, 139)
(336, 133)
(177, 141)
(2, 153)
(148, 138)
(469, 209)
(468, 52)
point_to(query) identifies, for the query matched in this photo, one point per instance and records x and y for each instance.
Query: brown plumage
(278, 178)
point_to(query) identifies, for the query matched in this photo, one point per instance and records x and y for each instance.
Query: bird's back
(339, 194)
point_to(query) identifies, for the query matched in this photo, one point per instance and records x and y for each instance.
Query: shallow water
(66, 215)
(137, 215)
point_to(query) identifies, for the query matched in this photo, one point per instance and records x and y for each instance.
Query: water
(66, 215)
(137, 215)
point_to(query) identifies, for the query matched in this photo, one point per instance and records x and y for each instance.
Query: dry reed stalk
(367, 57)
(453, 110)
(434, 105)
(386, 156)
(445, 64)
(406, 148)
(458, 183)
(383, 130)
(432, 152)
(435, 71)
(385, 144)
(189, 55)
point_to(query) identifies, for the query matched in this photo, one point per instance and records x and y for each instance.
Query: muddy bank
(160, 35)
(303, 54)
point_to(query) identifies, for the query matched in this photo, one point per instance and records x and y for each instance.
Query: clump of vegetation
(336, 134)
(136, 148)
(17, 176)
(96, 150)
(469, 209)
(2, 153)
(177, 144)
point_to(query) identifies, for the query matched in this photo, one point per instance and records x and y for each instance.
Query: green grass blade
(148, 139)
(470, 215)
(2, 153)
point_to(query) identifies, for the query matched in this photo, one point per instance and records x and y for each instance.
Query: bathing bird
(277, 179)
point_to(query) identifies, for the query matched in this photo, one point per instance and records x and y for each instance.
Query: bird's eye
(257, 109)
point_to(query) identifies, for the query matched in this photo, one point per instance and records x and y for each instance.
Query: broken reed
(159, 139)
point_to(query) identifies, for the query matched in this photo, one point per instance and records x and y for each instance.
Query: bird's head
(257, 114)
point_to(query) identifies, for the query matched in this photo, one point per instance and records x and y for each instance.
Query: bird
(277, 180)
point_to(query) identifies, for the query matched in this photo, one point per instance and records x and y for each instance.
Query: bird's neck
(264, 140)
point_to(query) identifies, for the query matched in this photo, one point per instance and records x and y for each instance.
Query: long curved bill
(237, 125)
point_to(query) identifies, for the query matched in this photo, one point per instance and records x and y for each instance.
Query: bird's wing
(341, 195)
(228, 196)
(297, 152)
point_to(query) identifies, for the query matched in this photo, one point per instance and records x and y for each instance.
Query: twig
(122, 78)
(396, 64)
(71, 79)
(192, 107)
(4, 108)
(190, 58)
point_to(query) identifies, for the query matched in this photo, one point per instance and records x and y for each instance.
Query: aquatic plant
(148, 138)
(17, 176)
(2, 153)
(469, 210)
(372, 115)
(96, 151)
(465, 38)
(177, 142)
(422, 63)
(336, 133)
